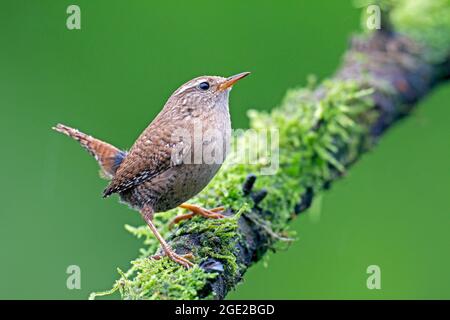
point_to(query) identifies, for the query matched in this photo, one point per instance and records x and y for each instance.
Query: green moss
(151, 281)
(311, 134)
(163, 279)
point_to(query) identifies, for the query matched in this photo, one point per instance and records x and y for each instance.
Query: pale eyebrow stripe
(190, 85)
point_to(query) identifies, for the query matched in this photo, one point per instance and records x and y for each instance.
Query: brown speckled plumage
(150, 178)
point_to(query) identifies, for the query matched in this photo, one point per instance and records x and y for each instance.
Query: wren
(158, 172)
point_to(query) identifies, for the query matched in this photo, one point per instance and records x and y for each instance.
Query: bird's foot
(210, 214)
(172, 255)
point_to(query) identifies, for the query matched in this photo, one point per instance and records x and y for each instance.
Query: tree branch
(323, 131)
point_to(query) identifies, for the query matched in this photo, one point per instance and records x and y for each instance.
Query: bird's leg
(211, 213)
(147, 214)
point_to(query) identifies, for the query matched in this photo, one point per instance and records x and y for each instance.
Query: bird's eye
(204, 86)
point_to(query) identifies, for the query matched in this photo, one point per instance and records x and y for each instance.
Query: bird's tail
(108, 157)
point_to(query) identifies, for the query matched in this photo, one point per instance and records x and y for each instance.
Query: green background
(112, 77)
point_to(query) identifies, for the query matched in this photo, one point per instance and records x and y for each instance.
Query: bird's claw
(214, 213)
(180, 259)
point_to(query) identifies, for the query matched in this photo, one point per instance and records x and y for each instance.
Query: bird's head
(204, 93)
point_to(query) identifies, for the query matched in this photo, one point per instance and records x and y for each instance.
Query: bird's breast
(209, 145)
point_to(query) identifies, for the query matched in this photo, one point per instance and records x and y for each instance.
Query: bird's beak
(229, 82)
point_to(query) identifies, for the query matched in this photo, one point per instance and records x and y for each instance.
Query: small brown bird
(174, 158)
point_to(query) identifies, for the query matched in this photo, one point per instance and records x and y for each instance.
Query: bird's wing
(151, 155)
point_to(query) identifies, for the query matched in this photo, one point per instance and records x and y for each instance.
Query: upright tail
(108, 157)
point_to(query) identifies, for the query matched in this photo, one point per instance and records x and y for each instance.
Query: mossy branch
(322, 131)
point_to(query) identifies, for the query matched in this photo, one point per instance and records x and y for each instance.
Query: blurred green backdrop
(112, 77)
